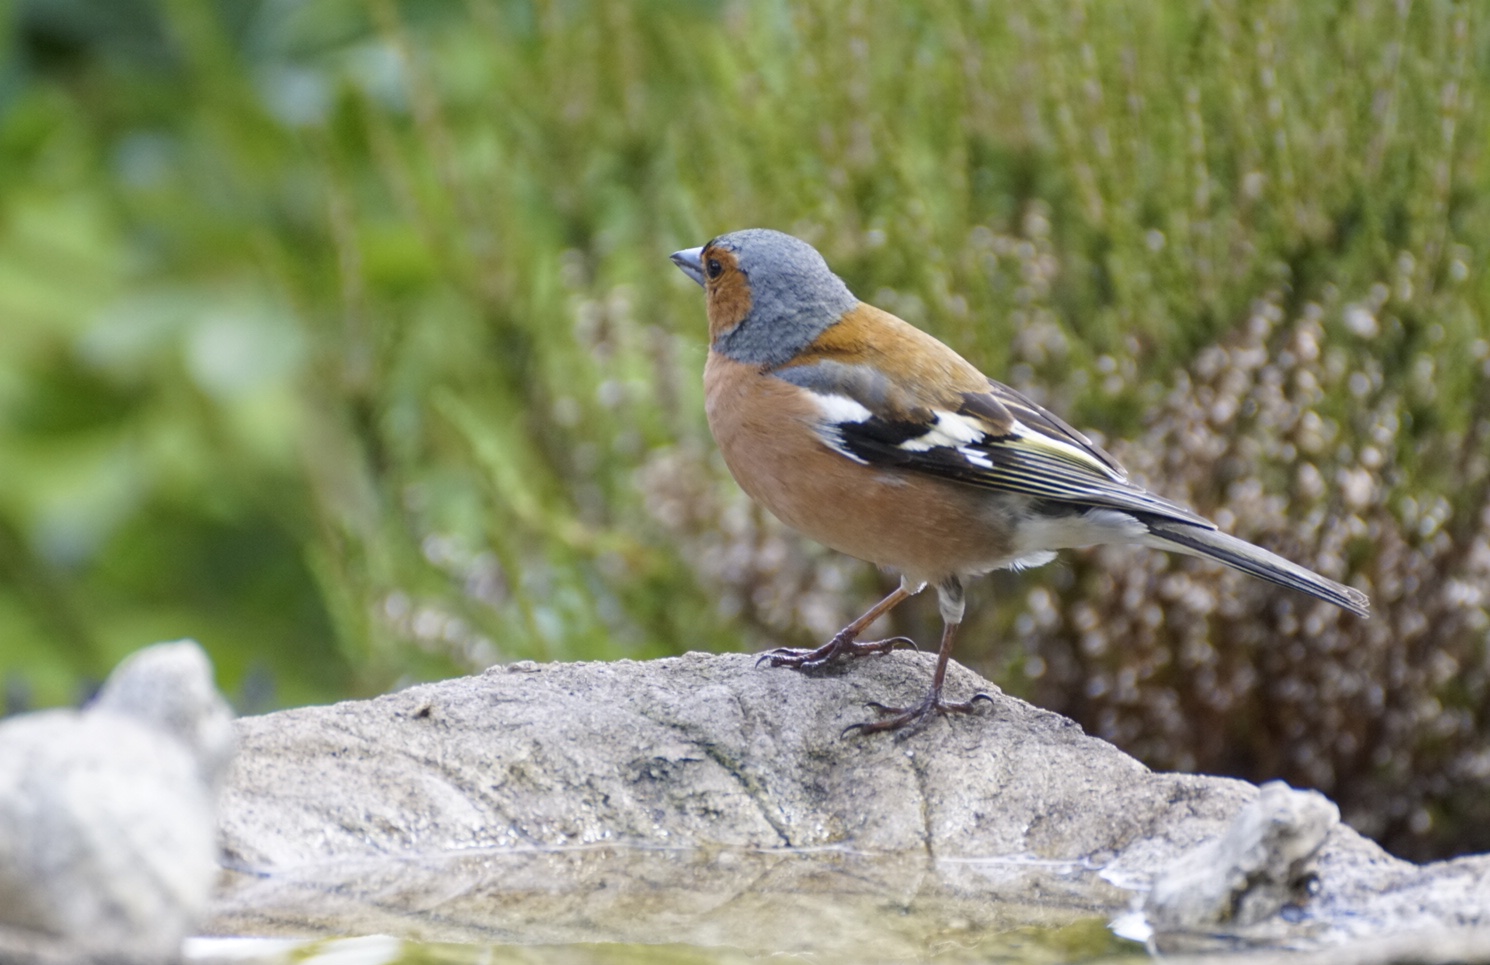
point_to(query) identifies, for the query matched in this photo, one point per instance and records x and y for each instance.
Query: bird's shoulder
(912, 366)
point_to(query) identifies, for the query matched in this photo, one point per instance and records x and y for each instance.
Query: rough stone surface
(1250, 874)
(698, 750)
(106, 815)
(693, 798)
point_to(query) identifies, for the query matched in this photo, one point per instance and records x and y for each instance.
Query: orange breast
(925, 527)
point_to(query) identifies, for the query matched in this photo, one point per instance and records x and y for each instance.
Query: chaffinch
(870, 436)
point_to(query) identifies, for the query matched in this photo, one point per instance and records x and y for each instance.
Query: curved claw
(839, 646)
(894, 641)
(910, 720)
(796, 659)
(788, 656)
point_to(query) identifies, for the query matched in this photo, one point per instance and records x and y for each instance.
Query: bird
(870, 436)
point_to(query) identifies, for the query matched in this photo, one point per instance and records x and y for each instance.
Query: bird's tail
(1195, 541)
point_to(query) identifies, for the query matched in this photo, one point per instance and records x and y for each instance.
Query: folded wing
(1002, 441)
(995, 439)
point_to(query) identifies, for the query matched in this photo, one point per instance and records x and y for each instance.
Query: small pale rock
(107, 816)
(1247, 875)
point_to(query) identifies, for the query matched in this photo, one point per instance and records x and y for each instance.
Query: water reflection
(708, 905)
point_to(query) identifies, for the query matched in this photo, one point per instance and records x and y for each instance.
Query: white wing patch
(840, 408)
(975, 457)
(950, 430)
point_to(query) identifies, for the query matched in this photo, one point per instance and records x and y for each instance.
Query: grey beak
(690, 260)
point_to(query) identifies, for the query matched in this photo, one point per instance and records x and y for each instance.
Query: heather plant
(342, 337)
(1192, 668)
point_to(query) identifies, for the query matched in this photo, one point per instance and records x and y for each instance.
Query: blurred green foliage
(341, 336)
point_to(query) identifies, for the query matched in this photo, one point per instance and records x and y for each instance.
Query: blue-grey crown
(794, 296)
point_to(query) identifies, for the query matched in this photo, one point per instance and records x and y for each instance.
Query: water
(668, 905)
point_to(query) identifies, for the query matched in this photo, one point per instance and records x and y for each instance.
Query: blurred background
(341, 337)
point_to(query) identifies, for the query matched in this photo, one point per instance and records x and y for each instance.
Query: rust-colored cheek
(729, 295)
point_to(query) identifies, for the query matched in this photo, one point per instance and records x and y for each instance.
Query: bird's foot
(842, 645)
(910, 720)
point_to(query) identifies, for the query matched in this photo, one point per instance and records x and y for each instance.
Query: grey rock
(695, 798)
(107, 818)
(169, 687)
(1247, 876)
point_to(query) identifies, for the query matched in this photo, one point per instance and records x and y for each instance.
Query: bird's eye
(713, 267)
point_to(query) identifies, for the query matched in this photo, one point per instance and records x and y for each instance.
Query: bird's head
(769, 294)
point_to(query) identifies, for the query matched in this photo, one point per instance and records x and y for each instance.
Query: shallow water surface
(623, 904)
